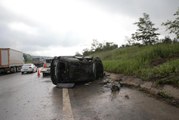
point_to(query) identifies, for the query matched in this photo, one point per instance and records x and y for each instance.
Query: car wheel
(15, 69)
(11, 69)
(52, 73)
(99, 68)
(22, 72)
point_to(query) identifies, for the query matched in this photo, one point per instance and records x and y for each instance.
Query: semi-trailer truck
(10, 60)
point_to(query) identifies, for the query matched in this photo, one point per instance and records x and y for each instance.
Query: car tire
(52, 73)
(22, 73)
(12, 70)
(99, 68)
(15, 69)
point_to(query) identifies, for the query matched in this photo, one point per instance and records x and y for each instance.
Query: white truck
(10, 60)
(46, 67)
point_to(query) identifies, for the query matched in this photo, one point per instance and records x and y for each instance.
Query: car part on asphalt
(69, 69)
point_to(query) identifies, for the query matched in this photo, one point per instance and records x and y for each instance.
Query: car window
(27, 65)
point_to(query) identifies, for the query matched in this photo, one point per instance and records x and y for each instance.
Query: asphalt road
(27, 97)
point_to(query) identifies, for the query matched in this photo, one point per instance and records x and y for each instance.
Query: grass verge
(157, 62)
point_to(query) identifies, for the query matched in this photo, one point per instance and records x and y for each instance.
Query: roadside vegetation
(158, 62)
(145, 56)
(27, 58)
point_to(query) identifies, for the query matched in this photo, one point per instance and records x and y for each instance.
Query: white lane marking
(67, 110)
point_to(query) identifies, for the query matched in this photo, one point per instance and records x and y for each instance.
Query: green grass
(154, 62)
(164, 95)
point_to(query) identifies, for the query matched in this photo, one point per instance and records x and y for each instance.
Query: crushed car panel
(66, 69)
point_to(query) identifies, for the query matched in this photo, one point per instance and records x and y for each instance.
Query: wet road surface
(27, 97)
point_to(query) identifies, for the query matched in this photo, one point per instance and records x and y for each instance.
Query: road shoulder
(167, 92)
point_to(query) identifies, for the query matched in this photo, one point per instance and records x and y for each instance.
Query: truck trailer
(10, 60)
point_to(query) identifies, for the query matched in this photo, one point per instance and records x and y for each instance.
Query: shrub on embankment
(158, 62)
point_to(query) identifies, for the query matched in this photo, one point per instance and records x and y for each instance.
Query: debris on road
(171, 93)
(126, 96)
(108, 85)
(115, 86)
(87, 83)
(105, 81)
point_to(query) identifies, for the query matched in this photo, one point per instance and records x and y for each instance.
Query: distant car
(46, 67)
(66, 69)
(28, 68)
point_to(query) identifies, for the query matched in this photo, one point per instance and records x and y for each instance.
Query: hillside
(158, 63)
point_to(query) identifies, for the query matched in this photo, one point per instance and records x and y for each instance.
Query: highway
(29, 97)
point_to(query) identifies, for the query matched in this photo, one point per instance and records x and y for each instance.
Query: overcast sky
(64, 27)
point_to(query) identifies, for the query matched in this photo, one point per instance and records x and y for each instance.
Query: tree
(109, 46)
(77, 54)
(94, 45)
(87, 52)
(27, 58)
(97, 47)
(130, 41)
(167, 39)
(146, 31)
(173, 26)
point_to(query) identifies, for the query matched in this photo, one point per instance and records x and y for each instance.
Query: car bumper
(45, 70)
(26, 70)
